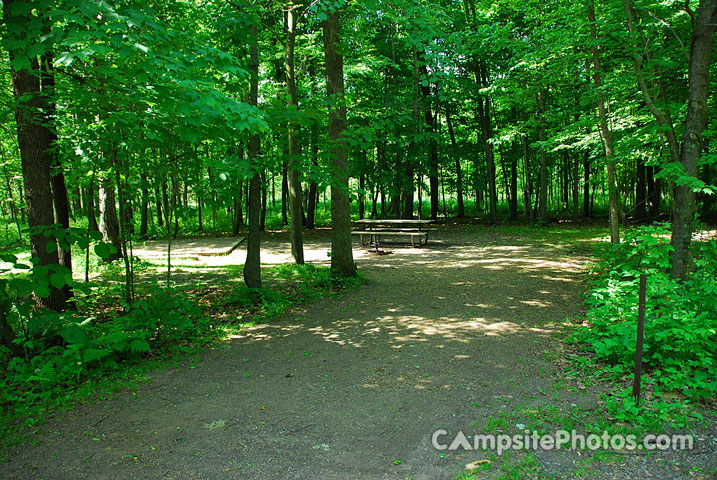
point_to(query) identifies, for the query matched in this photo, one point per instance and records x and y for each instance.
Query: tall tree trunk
(167, 210)
(262, 222)
(252, 265)
(8, 336)
(576, 185)
(342, 262)
(683, 208)
(238, 214)
(605, 130)
(484, 114)
(144, 207)
(313, 187)
(528, 181)
(586, 185)
(433, 153)
(124, 205)
(362, 193)
(34, 142)
(109, 223)
(284, 191)
(57, 178)
(294, 163)
(459, 173)
(543, 195)
(158, 202)
(640, 191)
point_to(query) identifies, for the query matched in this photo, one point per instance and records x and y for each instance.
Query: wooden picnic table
(375, 228)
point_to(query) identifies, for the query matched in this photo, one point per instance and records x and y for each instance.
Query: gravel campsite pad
(455, 335)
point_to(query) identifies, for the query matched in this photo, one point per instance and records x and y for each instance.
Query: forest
(123, 122)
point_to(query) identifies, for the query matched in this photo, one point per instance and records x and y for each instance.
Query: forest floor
(464, 334)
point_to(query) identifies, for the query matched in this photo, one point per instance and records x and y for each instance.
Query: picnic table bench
(375, 229)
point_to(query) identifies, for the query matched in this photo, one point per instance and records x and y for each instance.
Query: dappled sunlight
(448, 293)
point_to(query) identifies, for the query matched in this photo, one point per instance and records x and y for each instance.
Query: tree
(294, 150)
(604, 129)
(252, 266)
(34, 136)
(342, 262)
(683, 210)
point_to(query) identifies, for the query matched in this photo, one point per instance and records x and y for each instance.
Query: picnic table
(376, 228)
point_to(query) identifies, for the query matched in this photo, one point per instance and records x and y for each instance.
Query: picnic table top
(393, 221)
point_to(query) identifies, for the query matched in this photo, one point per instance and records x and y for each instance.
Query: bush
(680, 320)
(62, 350)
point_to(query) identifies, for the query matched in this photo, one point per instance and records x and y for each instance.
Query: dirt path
(350, 387)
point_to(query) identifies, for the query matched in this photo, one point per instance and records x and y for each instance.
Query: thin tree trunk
(641, 191)
(459, 173)
(586, 185)
(252, 265)
(284, 192)
(262, 222)
(481, 75)
(294, 161)
(433, 158)
(109, 222)
(158, 202)
(57, 178)
(362, 193)
(543, 194)
(313, 187)
(144, 207)
(605, 130)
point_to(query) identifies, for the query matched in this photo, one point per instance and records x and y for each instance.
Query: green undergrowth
(107, 345)
(680, 342)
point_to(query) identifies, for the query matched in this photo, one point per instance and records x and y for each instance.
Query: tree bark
(683, 208)
(158, 202)
(294, 161)
(284, 191)
(640, 191)
(57, 178)
(313, 189)
(586, 185)
(342, 262)
(433, 153)
(8, 336)
(262, 222)
(34, 142)
(144, 207)
(109, 223)
(605, 130)
(252, 265)
(481, 75)
(543, 194)
(459, 173)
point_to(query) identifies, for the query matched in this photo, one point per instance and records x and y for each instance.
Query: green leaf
(74, 335)
(42, 291)
(58, 280)
(138, 345)
(102, 250)
(9, 258)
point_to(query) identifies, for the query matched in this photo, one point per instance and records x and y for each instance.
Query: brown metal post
(640, 335)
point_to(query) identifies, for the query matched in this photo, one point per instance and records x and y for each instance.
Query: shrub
(680, 320)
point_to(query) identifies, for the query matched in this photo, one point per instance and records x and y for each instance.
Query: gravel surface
(447, 336)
